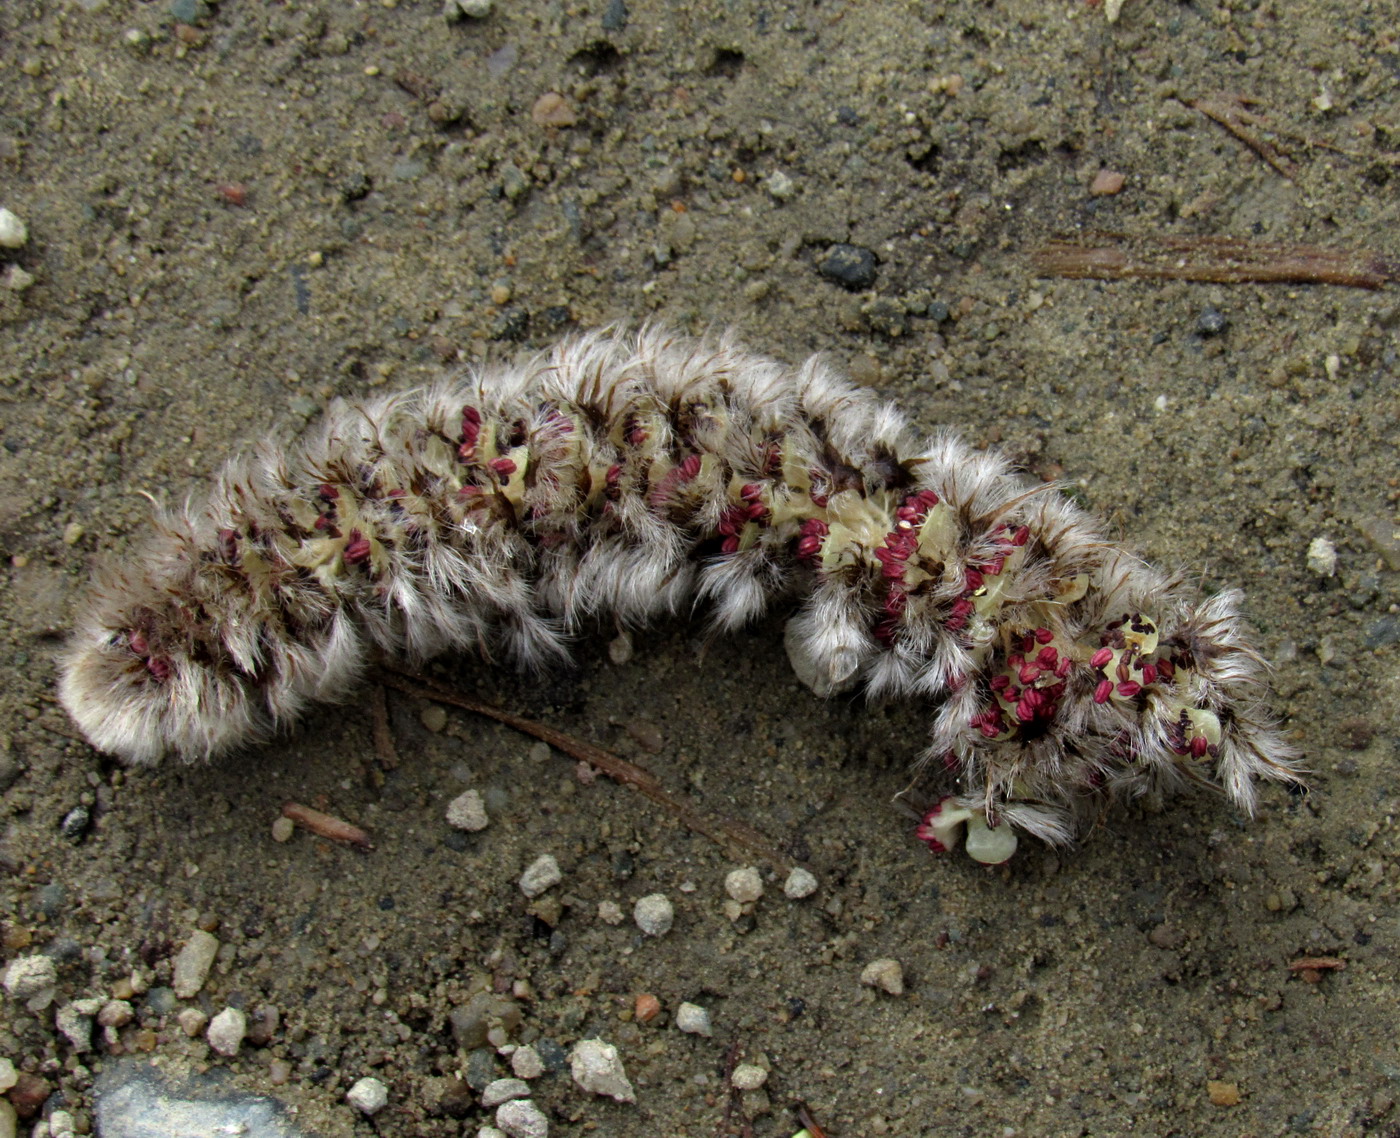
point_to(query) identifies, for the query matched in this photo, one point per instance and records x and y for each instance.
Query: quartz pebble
(368, 1095)
(800, 883)
(193, 963)
(610, 912)
(542, 874)
(520, 1118)
(8, 1075)
(654, 914)
(1322, 557)
(885, 974)
(748, 1077)
(192, 1021)
(75, 1022)
(32, 979)
(503, 1090)
(468, 812)
(226, 1031)
(744, 885)
(526, 1063)
(694, 1019)
(13, 232)
(597, 1068)
(283, 829)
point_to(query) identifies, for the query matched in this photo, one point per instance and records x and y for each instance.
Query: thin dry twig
(804, 1116)
(384, 749)
(327, 825)
(722, 831)
(1226, 260)
(1311, 968)
(1232, 112)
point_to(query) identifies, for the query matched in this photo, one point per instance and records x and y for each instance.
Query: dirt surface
(235, 217)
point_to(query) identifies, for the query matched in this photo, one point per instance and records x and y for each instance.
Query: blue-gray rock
(132, 1101)
(850, 266)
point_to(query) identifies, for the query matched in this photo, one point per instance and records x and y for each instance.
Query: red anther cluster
(327, 493)
(750, 508)
(503, 467)
(900, 545)
(1032, 684)
(633, 432)
(1130, 661)
(357, 549)
(676, 476)
(811, 538)
(471, 433)
(158, 666)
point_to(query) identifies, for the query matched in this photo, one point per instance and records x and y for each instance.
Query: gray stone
(597, 1068)
(193, 963)
(132, 1101)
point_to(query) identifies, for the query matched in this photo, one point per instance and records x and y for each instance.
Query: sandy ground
(236, 217)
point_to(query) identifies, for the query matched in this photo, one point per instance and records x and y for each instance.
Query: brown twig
(1311, 968)
(384, 749)
(327, 825)
(804, 1116)
(1227, 260)
(1233, 113)
(722, 831)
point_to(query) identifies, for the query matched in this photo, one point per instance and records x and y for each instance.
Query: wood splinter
(327, 825)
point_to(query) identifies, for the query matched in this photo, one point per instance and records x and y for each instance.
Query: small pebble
(503, 1090)
(1212, 322)
(610, 912)
(476, 9)
(885, 974)
(552, 109)
(13, 232)
(433, 717)
(800, 883)
(368, 1095)
(520, 1118)
(597, 1068)
(1223, 1094)
(850, 266)
(468, 812)
(654, 914)
(744, 885)
(1322, 557)
(543, 873)
(192, 964)
(17, 280)
(192, 1021)
(30, 977)
(7, 1074)
(283, 829)
(780, 185)
(74, 1021)
(645, 1007)
(748, 1077)
(1106, 183)
(694, 1020)
(226, 1031)
(526, 1063)
(115, 1013)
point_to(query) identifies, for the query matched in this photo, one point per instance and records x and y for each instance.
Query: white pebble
(654, 914)
(520, 1118)
(60, 1124)
(13, 232)
(17, 280)
(780, 185)
(597, 1068)
(503, 1090)
(192, 1021)
(193, 963)
(368, 1095)
(694, 1019)
(75, 1022)
(31, 977)
(610, 912)
(542, 874)
(8, 1075)
(283, 829)
(800, 883)
(476, 9)
(744, 885)
(885, 974)
(226, 1031)
(526, 1063)
(489, 1131)
(1322, 557)
(748, 1077)
(468, 812)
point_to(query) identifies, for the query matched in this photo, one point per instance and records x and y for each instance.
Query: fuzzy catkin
(629, 474)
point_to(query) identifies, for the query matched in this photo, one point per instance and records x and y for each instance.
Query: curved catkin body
(627, 475)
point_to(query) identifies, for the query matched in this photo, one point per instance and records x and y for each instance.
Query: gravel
(503, 1090)
(226, 1031)
(597, 1068)
(543, 873)
(32, 979)
(800, 883)
(693, 1019)
(744, 885)
(468, 812)
(368, 1095)
(193, 963)
(520, 1118)
(654, 914)
(13, 232)
(885, 974)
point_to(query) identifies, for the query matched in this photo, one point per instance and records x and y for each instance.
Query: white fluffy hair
(627, 475)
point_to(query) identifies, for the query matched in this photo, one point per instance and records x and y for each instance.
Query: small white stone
(654, 914)
(885, 974)
(694, 1019)
(748, 1077)
(30, 977)
(1322, 557)
(8, 1075)
(476, 9)
(800, 883)
(17, 280)
(526, 1063)
(60, 1124)
(283, 829)
(503, 1090)
(76, 1025)
(610, 912)
(488, 1131)
(780, 185)
(368, 1095)
(193, 963)
(226, 1031)
(13, 232)
(542, 874)
(744, 885)
(520, 1118)
(597, 1068)
(468, 812)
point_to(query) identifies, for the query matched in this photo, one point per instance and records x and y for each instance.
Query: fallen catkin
(627, 475)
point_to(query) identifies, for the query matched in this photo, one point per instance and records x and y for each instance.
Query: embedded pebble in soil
(31, 979)
(526, 1063)
(597, 1068)
(800, 883)
(13, 231)
(748, 1077)
(693, 1019)
(368, 1095)
(654, 914)
(226, 1031)
(885, 974)
(744, 885)
(520, 1118)
(503, 1090)
(468, 812)
(542, 874)
(193, 963)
